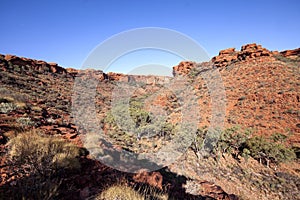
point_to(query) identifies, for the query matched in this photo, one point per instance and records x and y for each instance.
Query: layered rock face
(289, 53)
(36, 65)
(10, 62)
(147, 79)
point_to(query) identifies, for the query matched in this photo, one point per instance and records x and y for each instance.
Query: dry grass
(39, 160)
(45, 154)
(120, 192)
(124, 192)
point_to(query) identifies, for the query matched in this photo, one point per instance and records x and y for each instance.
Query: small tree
(231, 141)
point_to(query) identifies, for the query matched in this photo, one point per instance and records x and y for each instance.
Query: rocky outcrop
(35, 65)
(90, 73)
(225, 56)
(73, 72)
(252, 51)
(288, 53)
(248, 52)
(115, 76)
(183, 68)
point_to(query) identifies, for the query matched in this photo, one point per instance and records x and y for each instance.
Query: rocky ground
(261, 90)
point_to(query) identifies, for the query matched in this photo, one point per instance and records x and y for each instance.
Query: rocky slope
(262, 93)
(37, 95)
(262, 88)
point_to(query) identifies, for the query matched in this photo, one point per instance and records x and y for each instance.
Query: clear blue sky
(66, 31)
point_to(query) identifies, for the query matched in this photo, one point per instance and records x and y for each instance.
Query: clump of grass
(8, 104)
(121, 192)
(6, 99)
(45, 155)
(125, 192)
(41, 161)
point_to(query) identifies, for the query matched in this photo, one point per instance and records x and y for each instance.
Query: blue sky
(67, 31)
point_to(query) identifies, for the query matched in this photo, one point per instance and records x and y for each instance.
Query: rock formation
(288, 53)
(248, 52)
(36, 65)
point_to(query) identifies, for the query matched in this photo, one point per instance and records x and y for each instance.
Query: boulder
(154, 179)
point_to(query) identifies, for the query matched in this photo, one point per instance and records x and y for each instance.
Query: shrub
(268, 151)
(278, 137)
(137, 121)
(239, 143)
(229, 141)
(198, 140)
(232, 140)
(7, 107)
(194, 72)
(25, 122)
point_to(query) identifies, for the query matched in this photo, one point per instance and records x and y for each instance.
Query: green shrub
(237, 143)
(232, 140)
(198, 140)
(267, 151)
(137, 121)
(278, 137)
(229, 141)
(287, 59)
